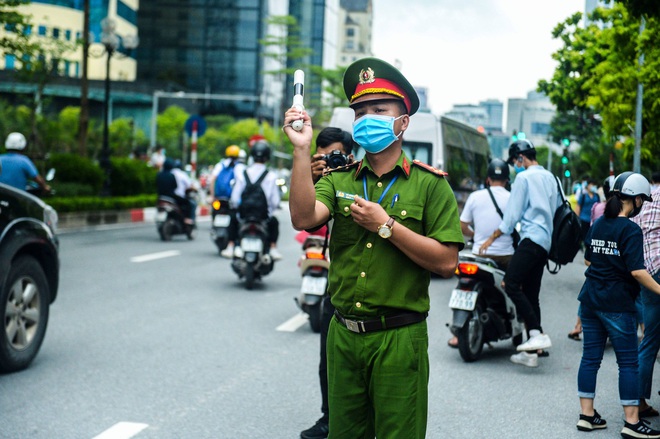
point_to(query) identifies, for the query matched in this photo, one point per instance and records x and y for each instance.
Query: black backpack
(254, 204)
(566, 231)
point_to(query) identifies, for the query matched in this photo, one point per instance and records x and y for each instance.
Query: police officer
(395, 221)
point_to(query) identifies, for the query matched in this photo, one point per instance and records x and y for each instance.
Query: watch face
(384, 232)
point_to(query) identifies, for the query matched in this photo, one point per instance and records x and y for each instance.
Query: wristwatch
(385, 231)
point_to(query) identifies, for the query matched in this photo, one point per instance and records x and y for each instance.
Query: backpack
(223, 181)
(254, 204)
(566, 228)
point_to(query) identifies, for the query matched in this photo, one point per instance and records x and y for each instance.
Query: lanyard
(364, 184)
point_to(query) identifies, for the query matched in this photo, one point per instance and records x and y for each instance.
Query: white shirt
(183, 182)
(269, 186)
(480, 212)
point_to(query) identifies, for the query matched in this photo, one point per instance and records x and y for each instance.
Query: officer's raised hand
(300, 139)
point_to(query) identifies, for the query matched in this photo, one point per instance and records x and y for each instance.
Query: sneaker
(639, 430)
(526, 359)
(238, 252)
(541, 341)
(275, 254)
(317, 431)
(589, 423)
(228, 252)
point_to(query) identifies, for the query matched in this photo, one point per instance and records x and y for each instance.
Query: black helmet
(632, 184)
(498, 170)
(607, 185)
(260, 151)
(518, 147)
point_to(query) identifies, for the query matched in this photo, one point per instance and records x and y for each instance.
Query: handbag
(515, 235)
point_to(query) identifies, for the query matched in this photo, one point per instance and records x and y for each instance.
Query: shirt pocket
(344, 228)
(408, 214)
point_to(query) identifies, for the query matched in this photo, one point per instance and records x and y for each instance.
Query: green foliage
(640, 8)
(131, 177)
(71, 168)
(83, 204)
(170, 129)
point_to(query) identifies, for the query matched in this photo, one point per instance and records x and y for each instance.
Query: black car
(29, 275)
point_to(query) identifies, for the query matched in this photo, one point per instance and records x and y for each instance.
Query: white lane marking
(122, 430)
(293, 323)
(154, 256)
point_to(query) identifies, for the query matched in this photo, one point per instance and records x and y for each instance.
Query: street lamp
(111, 41)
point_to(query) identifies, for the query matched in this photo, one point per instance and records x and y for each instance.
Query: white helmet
(15, 141)
(632, 184)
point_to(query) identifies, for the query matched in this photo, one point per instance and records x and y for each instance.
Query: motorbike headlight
(50, 218)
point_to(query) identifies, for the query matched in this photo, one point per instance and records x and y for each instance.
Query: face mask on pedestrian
(375, 133)
(594, 189)
(636, 208)
(517, 165)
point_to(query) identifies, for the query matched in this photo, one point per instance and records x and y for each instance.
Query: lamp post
(111, 41)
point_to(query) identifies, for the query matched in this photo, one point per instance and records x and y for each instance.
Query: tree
(13, 20)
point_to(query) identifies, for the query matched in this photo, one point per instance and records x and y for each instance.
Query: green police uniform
(379, 380)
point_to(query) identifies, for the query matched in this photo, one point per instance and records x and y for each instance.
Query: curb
(76, 220)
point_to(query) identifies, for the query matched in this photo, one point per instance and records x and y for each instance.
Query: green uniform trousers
(378, 382)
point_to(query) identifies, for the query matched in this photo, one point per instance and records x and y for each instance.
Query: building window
(42, 31)
(67, 35)
(56, 33)
(77, 64)
(9, 27)
(67, 66)
(78, 36)
(28, 29)
(350, 45)
(10, 62)
(350, 32)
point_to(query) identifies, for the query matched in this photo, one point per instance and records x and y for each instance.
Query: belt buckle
(352, 325)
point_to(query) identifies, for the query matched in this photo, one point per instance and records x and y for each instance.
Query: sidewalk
(81, 220)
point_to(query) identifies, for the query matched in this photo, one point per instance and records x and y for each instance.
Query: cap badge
(367, 76)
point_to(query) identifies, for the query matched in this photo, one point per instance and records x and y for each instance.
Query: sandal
(648, 412)
(453, 342)
(575, 335)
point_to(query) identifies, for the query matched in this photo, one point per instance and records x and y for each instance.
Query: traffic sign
(201, 125)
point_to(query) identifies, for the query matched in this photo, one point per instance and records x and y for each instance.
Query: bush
(71, 168)
(132, 177)
(65, 189)
(82, 204)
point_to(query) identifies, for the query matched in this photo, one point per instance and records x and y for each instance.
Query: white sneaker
(541, 341)
(238, 252)
(275, 254)
(228, 252)
(529, 360)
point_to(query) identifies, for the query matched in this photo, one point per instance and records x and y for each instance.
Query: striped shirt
(649, 220)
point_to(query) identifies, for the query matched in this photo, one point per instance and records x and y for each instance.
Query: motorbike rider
(330, 139)
(480, 218)
(166, 185)
(233, 162)
(184, 187)
(260, 153)
(17, 168)
(533, 202)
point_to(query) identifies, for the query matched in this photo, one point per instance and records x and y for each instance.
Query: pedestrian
(16, 167)
(533, 202)
(615, 261)
(395, 221)
(157, 159)
(481, 215)
(587, 198)
(649, 221)
(597, 211)
(330, 139)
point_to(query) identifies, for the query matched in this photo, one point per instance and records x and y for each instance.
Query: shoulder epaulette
(429, 168)
(345, 168)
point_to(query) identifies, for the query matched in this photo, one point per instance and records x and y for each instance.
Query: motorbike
(481, 310)
(221, 218)
(170, 220)
(254, 262)
(314, 265)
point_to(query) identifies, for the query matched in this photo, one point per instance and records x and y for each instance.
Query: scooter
(314, 265)
(170, 220)
(253, 262)
(221, 218)
(482, 312)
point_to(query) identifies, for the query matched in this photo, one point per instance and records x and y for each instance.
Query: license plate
(313, 285)
(221, 221)
(252, 245)
(461, 299)
(161, 216)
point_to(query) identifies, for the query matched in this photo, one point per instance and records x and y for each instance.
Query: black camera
(335, 159)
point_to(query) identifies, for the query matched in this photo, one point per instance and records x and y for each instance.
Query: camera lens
(335, 159)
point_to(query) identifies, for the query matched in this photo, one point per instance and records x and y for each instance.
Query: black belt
(389, 322)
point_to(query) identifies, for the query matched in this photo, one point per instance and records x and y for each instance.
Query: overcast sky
(466, 51)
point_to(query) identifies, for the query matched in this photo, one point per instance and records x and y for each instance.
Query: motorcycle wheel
(167, 230)
(191, 232)
(249, 276)
(314, 312)
(471, 336)
(221, 243)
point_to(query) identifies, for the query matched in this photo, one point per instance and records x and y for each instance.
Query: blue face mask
(375, 133)
(518, 169)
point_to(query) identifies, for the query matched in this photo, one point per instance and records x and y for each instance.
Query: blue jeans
(621, 328)
(648, 348)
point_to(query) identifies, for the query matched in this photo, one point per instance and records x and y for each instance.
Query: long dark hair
(614, 205)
